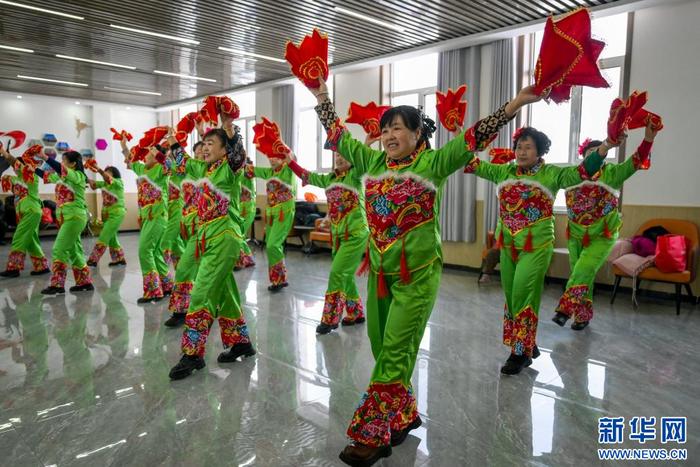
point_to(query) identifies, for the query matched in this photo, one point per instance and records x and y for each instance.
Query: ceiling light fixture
(19, 97)
(77, 102)
(370, 19)
(133, 91)
(17, 49)
(156, 34)
(41, 10)
(180, 75)
(97, 62)
(251, 54)
(58, 81)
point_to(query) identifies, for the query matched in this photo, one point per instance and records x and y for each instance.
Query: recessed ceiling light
(370, 19)
(180, 75)
(97, 62)
(77, 102)
(128, 108)
(17, 49)
(19, 97)
(156, 34)
(70, 83)
(251, 54)
(133, 91)
(41, 10)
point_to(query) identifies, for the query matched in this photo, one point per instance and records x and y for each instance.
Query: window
(246, 120)
(585, 115)
(310, 140)
(414, 82)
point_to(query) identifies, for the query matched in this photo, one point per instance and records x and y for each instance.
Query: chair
(679, 279)
(320, 233)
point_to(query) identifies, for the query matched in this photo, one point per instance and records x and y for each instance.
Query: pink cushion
(632, 264)
(622, 247)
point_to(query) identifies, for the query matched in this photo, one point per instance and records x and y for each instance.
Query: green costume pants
(156, 276)
(112, 220)
(173, 244)
(68, 251)
(522, 280)
(585, 262)
(26, 239)
(215, 294)
(245, 258)
(341, 294)
(185, 275)
(280, 220)
(395, 325)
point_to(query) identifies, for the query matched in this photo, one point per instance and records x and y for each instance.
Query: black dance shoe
(400, 437)
(515, 364)
(238, 350)
(51, 290)
(40, 273)
(82, 288)
(144, 300)
(560, 318)
(10, 273)
(359, 455)
(117, 263)
(579, 326)
(186, 365)
(176, 320)
(324, 328)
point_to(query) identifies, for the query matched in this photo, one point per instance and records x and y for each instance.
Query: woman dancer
(113, 213)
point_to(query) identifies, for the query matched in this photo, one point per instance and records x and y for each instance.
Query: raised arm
(309, 178)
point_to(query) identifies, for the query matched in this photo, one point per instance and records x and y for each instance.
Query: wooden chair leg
(618, 279)
(678, 299)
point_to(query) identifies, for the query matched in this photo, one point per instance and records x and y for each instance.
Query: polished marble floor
(84, 378)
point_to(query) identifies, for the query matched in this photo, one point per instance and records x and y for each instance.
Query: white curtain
(502, 90)
(458, 210)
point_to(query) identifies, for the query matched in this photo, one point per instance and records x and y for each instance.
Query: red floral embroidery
(166, 282)
(108, 199)
(245, 260)
(278, 273)
(173, 192)
(576, 303)
(116, 254)
(151, 285)
(341, 201)
(148, 192)
(20, 190)
(520, 332)
(396, 205)
(82, 276)
(523, 204)
(15, 262)
(338, 302)
(246, 194)
(189, 195)
(180, 298)
(473, 164)
(97, 252)
(211, 203)
(64, 194)
(233, 331)
(39, 263)
(406, 415)
(194, 337)
(58, 274)
(278, 192)
(378, 407)
(589, 202)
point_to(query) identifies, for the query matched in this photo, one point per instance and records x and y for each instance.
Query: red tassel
(528, 242)
(364, 266)
(269, 221)
(606, 230)
(204, 243)
(568, 232)
(330, 232)
(586, 239)
(337, 243)
(183, 231)
(196, 250)
(192, 227)
(347, 233)
(405, 273)
(513, 252)
(382, 290)
(499, 242)
(281, 215)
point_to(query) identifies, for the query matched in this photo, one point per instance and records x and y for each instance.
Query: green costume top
(175, 201)
(526, 198)
(152, 186)
(112, 194)
(25, 188)
(188, 188)
(592, 206)
(346, 200)
(216, 194)
(70, 191)
(248, 190)
(281, 188)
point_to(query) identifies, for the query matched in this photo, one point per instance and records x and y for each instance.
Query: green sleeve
(451, 157)
(616, 174)
(575, 174)
(73, 176)
(138, 167)
(593, 163)
(100, 184)
(54, 177)
(358, 154)
(195, 168)
(567, 176)
(495, 173)
(263, 172)
(319, 180)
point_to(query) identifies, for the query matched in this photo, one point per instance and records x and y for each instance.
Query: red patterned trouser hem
(97, 252)
(520, 331)
(82, 276)
(15, 262)
(180, 298)
(278, 273)
(575, 303)
(151, 285)
(39, 263)
(116, 254)
(58, 274)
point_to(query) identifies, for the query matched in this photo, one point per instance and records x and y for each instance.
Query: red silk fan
(451, 108)
(368, 116)
(119, 135)
(268, 141)
(501, 155)
(309, 59)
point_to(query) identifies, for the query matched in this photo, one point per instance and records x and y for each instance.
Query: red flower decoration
(6, 183)
(621, 113)
(153, 136)
(120, 135)
(368, 116)
(309, 60)
(568, 57)
(268, 141)
(451, 108)
(138, 153)
(29, 156)
(582, 146)
(91, 164)
(501, 155)
(218, 105)
(517, 133)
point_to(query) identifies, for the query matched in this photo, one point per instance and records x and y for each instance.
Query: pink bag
(643, 246)
(671, 253)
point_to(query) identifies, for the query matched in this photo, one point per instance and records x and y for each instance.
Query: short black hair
(218, 133)
(114, 171)
(196, 145)
(542, 141)
(413, 119)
